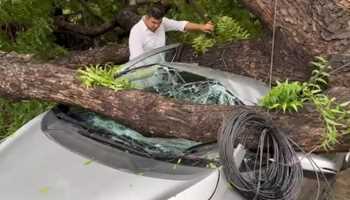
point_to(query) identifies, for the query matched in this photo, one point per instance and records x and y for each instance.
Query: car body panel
(317, 163)
(34, 167)
(49, 159)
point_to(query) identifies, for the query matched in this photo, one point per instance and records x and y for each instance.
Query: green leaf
(345, 104)
(337, 111)
(44, 190)
(284, 107)
(274, 106)
(321, 80)
(88, 162)
(295, 107)
(329, 121)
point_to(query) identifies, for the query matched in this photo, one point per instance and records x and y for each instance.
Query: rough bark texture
(320, 27)
(252, 58)
(297, 41)
(115, 53)
(249, 58)
(304, 29)
(146, 112)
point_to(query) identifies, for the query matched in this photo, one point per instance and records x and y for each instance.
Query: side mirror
(346, 163)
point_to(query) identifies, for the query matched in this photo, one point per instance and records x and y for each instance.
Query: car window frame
(133, 62)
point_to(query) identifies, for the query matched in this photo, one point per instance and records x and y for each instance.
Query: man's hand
(208, 27)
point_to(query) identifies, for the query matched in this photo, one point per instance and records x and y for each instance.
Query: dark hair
(156, 12)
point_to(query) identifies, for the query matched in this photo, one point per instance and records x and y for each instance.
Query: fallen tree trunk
(158, 116)
(116, 53)
(252, 58)
(148, 113)
(318, 27)
(249, 58)
(304, 29)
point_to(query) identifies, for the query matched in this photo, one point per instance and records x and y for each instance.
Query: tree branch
(113, 53)
(148, 113)
(125, 19)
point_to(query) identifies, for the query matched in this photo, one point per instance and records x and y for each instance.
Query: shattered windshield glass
(120, 133)
(165, 81)
(183, 86)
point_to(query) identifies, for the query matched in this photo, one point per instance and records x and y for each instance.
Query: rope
(273, 42)
(340, 68)
(272, 172)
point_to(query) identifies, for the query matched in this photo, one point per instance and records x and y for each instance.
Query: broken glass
(184, 86)
(171, 83)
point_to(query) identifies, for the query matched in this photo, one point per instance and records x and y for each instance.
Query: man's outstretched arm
(207, 28)
(173, 25)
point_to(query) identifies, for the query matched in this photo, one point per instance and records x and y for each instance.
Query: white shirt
(141, 39)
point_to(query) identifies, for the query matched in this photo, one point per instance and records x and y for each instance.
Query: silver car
(69, 153)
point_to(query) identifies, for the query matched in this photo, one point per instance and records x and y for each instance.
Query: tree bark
(249, 58)
(319, 27)
(324, 31)
(114, 53)
(252, 58)
(304, 29)
(148, 113)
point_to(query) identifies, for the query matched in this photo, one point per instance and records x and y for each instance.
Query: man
(149, 32)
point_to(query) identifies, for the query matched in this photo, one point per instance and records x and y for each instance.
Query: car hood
(34, 167)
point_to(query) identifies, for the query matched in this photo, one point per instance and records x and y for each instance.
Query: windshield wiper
(105, 137)
(120, 144)
(195, 148)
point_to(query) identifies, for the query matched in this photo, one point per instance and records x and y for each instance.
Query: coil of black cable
(271, 171)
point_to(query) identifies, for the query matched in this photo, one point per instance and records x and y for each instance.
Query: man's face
(152, 23)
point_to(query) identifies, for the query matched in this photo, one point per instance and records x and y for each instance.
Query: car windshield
(165, 81)
(108, 128)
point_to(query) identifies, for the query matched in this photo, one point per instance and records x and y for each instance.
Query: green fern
(201, 44)
(335, 116)
(228, 30)
(285, 96)
(291, 96)
(320, 74)
(103, 75)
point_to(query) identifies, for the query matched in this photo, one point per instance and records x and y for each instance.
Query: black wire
(273, 172)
